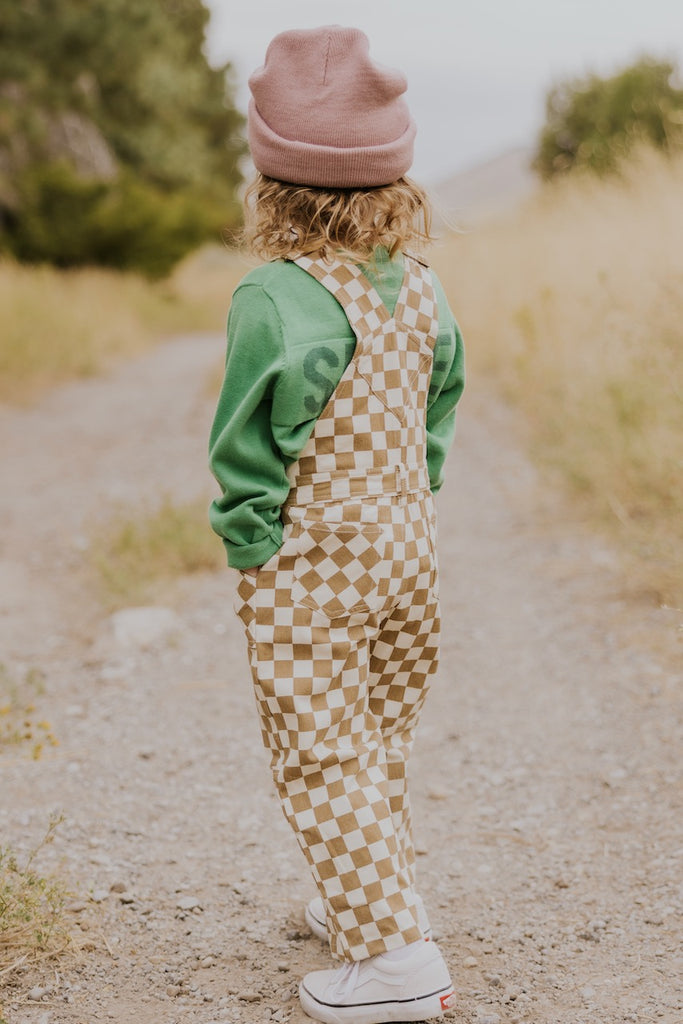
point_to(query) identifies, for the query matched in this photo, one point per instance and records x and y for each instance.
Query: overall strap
(361, 303)
(416, 307)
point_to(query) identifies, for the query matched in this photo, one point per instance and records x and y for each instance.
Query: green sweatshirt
(289, 343)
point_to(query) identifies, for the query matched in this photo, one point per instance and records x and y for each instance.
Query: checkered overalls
(343, 622)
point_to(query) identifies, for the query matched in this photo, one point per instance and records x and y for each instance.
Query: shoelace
(346, 979)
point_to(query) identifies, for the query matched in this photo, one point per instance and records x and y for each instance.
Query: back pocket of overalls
(337, 567)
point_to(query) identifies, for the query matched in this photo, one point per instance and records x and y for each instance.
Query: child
(344, 366)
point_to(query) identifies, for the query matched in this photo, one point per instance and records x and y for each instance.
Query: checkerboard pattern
(343, 622)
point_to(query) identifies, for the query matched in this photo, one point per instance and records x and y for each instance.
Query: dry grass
(58, 325)
(32, 920)
(20, 722)
(32, 924)
(140, 553)
(574, 306)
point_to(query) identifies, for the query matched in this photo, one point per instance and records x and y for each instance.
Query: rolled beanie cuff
(302, 163)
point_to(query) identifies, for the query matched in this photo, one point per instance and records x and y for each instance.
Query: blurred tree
(595, 122)
(113, 126)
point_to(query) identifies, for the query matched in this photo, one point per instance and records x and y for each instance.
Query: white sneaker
(381, 990)
(316, 919)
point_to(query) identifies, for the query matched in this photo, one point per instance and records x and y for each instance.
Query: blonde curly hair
(283, 221)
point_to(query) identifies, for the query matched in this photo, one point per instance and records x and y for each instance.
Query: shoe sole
(425, 1008)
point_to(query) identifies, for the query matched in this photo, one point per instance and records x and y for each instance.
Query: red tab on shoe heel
(448, 1001)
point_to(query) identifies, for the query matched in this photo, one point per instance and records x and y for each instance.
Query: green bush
(124, 224)
(594, 123)
(120, 144)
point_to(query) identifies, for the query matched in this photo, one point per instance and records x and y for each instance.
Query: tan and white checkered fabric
(343, 622)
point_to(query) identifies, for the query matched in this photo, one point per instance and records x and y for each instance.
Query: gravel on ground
(547, 775)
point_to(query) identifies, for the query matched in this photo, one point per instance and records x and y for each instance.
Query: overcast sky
(477, 70)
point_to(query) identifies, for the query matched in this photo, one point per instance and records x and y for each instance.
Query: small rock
(99, 895)
(282, 966)
(143, 627)
(470, 961)
(173, 990)
(249, 996)
(587, 992)
(118, 887)
(486, 1016)
(189, 903)
(127, 898)
(37, 993)
(114, 670)
(77, 907)
(208, 961)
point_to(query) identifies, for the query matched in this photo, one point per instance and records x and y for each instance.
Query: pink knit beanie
(323, 114)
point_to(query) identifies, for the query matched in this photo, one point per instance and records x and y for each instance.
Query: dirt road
(547, 779)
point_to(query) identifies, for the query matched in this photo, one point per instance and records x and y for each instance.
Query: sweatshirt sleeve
(448, 381)
(243, 456)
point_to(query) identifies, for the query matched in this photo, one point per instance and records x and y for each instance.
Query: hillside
(485, 189)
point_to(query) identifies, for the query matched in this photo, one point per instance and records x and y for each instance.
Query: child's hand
(253, 571)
